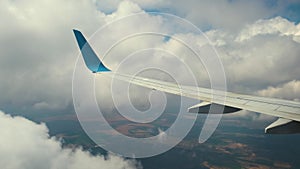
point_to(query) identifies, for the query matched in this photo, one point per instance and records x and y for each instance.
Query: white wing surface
(287, 111)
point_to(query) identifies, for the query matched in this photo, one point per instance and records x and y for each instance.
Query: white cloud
(277, 25)
(38, 49)
(261, 54)
(289, 90)
(252, 117)
(25, 144)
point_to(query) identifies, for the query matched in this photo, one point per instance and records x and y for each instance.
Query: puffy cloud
(39, 51)
(277, 25)
(25, 144)
(254, 119)
(289, 90)
(262, 54)
(124, 8)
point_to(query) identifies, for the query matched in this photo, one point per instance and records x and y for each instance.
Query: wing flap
(283, 126)
(205, 108)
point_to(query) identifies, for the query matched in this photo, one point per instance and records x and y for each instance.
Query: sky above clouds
(257, 41)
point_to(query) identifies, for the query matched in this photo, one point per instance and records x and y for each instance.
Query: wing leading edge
(287, 111)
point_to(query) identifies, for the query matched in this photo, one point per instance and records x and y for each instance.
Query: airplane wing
(287, 111)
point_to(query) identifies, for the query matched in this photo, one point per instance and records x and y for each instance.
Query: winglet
(90, 58)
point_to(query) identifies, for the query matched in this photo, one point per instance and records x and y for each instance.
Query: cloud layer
(25, 144)
(38, 49)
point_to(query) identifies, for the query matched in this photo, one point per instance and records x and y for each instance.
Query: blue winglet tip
(90, 58)
(80, 38)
